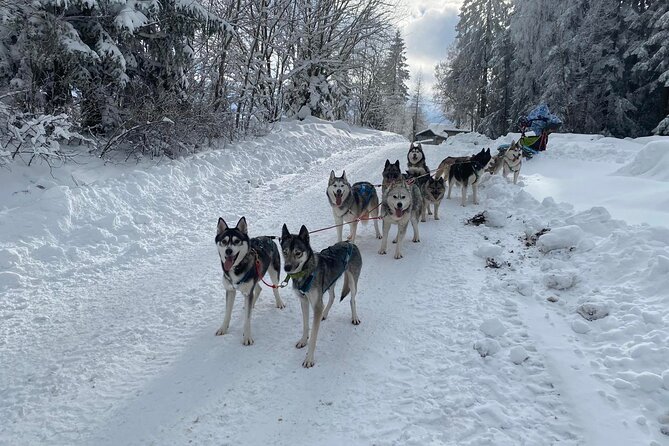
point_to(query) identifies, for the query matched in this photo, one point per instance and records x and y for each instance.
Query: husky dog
(245, 261)
(401, 204)
(468, 173)
(509, 160)
(433, 192)
(315, 273)
(352, 202)
(446, 163)
(416, 165)
(391, 174)
(512, 161)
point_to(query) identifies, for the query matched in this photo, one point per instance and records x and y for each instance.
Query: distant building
(437, 133)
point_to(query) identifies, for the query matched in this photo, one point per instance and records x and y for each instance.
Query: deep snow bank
(651, 162)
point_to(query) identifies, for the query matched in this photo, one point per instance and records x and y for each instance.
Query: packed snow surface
(111, 293)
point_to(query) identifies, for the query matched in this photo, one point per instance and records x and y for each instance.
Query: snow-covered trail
(406, 375)
(110, 340)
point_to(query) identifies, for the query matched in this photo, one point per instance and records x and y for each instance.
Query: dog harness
(306, 286)
(366, 192)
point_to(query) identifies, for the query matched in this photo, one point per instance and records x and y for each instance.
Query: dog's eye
(298, 253)
(236, 242)
(395, 197)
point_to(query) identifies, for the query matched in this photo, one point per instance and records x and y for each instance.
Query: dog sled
(540, 122)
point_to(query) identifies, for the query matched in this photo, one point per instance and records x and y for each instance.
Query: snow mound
(486, 347)
(518, 355)
(492, 327)
(651, 162)
(560, 238)
(488, 250)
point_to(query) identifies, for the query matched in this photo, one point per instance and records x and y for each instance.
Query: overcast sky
(428, 28)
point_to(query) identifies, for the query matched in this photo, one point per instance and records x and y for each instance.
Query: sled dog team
(405, 199)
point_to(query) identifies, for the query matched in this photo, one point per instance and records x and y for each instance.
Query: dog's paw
(437, 218)
(424, 219)
(355, 321)
(395, 240)
(398, 256)
(247, 341)
(221, 331)
(382, 251)
(379, 236)
(280, 305)
(301, 343)
(415, 240)
(308, 363)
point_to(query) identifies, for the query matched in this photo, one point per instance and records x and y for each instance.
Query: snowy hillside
(110, 294)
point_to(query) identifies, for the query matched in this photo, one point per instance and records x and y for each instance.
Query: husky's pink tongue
(338, 200)
(398, 212)
(229, 261)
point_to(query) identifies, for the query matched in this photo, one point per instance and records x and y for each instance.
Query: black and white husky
(416, 165)
(245, 261)
(313, 274)
(352, 202)
(468, 173)
(402, 204)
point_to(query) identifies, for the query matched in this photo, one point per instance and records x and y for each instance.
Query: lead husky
(239, 255)
(433, 192)
(315, 273)
(401, 204)
(468, 173)
(416, 165)
(352, 202)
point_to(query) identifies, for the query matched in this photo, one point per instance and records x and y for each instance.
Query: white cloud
(429, 30)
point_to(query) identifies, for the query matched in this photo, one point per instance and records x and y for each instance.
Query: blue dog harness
(304, 289)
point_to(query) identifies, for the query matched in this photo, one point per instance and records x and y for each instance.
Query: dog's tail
(345, 289)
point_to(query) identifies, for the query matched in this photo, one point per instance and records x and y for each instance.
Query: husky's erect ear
(332, 175)
(387, 163)
(222, 225)
(343, 175)
(441, 180)
(284, 232)
(304, 234)
(397, 163)
(488, 151)
(241, 225)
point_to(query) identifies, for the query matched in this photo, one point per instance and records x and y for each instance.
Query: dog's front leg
(384, 240)
(339, 222)
(515, 176)
(401, 231)
(475, 192)
(450, 186)
(416, 234)
(317, 306)
(354, 230)
(423, 216)
(304, 303)
(463, 202)
(436, 209)
(229, 302)
(250, 301)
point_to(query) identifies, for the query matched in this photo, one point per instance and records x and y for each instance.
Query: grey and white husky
(352, 202)
(433, 192)
(245, 261)
(510, 161)
(402, 203)
(313, 274)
